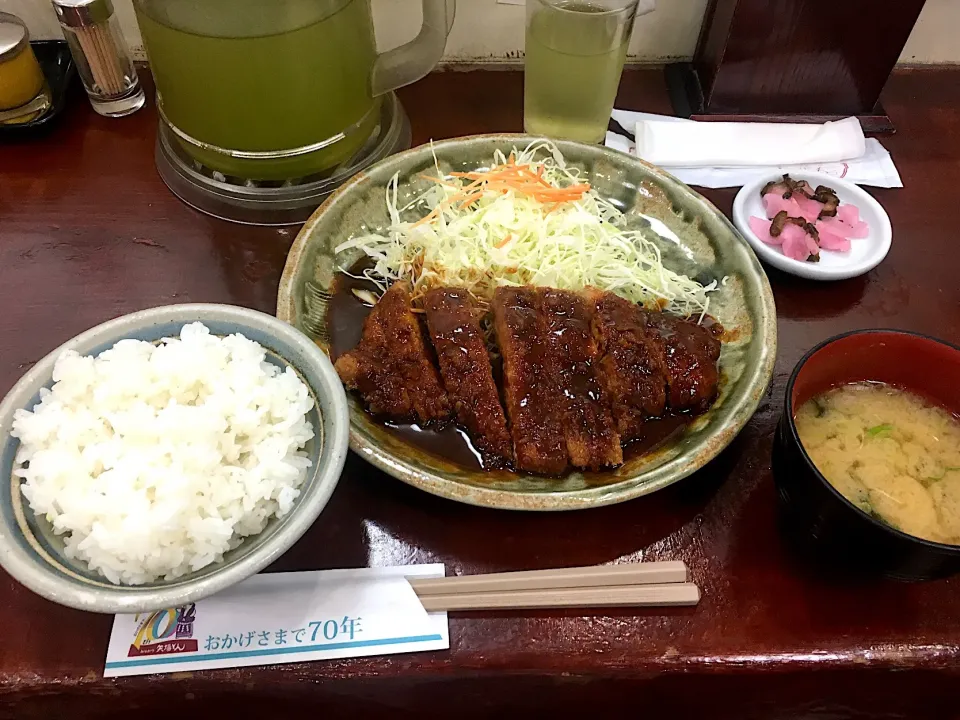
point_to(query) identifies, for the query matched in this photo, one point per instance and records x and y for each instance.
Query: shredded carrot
(439, 181)
(469, 198)
(505, 240)
(428, 217)
(504, 179)
(494, 174)
(539, 178)
(521, 179)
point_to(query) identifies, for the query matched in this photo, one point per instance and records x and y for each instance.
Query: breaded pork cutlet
(534, 403)
(632, 370)
(591, 436)
(453, 320)
(691, 352)
(391, 367)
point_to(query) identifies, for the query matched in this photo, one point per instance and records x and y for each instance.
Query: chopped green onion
(880, 430)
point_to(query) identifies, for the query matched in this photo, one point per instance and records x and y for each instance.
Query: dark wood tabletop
(88, 232)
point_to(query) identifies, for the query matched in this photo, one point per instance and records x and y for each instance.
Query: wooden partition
(794, 59)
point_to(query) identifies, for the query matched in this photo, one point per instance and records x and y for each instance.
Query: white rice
(153, 460)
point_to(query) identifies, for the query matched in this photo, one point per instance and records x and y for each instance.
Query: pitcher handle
(408, 63)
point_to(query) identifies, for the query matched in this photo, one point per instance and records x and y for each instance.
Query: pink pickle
(761, 228)
(835, 226)
(860, 230)
(809, 209)
(774, 203)
(795, 242)
(849, 214)
(829, 241)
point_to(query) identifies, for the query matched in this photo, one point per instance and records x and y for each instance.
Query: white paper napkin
(874, 167)
(731, 144)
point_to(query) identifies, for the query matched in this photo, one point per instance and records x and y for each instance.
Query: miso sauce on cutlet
(346, 314)
(655, 433)
(450, 443)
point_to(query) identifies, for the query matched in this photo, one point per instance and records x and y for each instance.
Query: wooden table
(89, 232)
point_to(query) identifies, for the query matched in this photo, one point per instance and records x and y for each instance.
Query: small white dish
(864, 254)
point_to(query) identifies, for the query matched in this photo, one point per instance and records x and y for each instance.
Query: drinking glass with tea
(575, 50)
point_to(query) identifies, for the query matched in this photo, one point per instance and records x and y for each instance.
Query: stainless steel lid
(82, 13)
(14, 36)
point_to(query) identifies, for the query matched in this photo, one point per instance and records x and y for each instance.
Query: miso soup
(891, 453)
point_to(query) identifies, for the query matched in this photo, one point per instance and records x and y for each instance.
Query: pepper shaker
(103, 59)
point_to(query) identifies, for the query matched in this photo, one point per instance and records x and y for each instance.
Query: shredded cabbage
(506, 237)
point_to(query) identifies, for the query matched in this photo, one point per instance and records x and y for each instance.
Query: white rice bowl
(153, 460)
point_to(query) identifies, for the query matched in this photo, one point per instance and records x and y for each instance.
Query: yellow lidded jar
(24, 94)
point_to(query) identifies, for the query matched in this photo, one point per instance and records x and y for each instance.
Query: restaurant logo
(165, 632)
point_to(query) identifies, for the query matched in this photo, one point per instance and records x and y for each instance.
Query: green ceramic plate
(695, 238)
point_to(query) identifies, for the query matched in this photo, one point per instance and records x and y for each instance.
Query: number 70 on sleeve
(345, 629)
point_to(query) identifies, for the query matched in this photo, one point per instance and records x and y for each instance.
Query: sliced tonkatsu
(632, 365)
(591, 435)
(534, 404)
(453, 320)
(391, 366)
(580, 373)
(690, 352)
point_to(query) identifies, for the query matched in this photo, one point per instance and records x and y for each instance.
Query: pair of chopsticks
(651, 584)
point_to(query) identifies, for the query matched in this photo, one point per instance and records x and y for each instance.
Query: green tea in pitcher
(264, 89)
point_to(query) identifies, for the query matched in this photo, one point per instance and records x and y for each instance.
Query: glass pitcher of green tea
(278, 89)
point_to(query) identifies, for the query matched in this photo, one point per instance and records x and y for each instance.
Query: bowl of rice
(166, 455)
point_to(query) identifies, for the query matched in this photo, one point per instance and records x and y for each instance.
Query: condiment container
(103, 59)
(24, 94)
